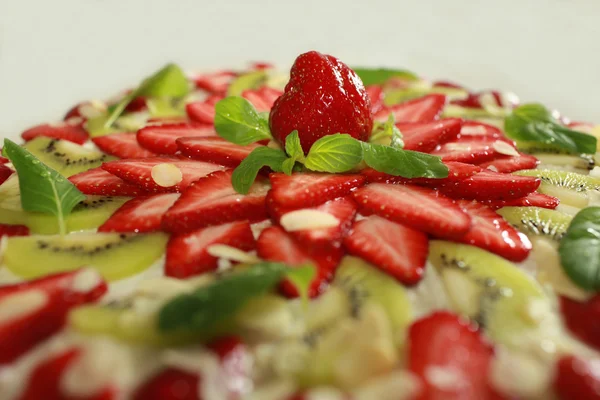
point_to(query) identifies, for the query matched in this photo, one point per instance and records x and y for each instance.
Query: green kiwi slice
(536, 221)
(571, 188)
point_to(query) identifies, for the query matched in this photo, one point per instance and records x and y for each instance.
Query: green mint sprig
(387, 130)
(237, 121)
(534, 123)
(42, 188)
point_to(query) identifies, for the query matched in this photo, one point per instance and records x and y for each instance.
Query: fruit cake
(332, 233)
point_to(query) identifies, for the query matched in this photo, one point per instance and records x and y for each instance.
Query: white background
(56, 52)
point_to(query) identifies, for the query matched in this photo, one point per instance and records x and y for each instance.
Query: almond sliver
(231, 253)
(504, 148)
(166, 175)
(473, 130)
(300, 220)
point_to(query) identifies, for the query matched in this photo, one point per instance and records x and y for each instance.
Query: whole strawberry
(323, 97)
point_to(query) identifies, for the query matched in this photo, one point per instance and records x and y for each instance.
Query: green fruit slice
(571, 188)
(536, 221)
(412, 92)
(251, 80)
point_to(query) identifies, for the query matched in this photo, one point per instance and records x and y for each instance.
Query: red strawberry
(456, 171)
(342, 208)
(488, 185)
(236, 363)
(44, 306)
(478, 129)
(122, 145)
(448, 84)
(187, 254)
(202, 112)
(509, 164)
(583, 319)
(161, 138)
(215, 150)
(491, 232)
(424, 109)
(442, 344)
(470, 149)
(61, 130)
(170, 384)
(216, 82)
(13, 230)
(426, 136)
(138, 171)
(97, 181)
(262, 99)
(137, 104)
(310, 189)
(416, 207)
(5, 172)
(323, 97)
(213, 201)
(141, 214)
(376, 95)
(85, 110)
(274, 244)
(533, 199)
(376, 240)
(577, 379)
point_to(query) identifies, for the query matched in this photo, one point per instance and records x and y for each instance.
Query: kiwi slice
(571, 188)
(66, 157)
(164, 107)
(537, 221)
(116, 256)
(251, 80)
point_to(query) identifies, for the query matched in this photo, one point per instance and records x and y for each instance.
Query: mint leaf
(169, 81)
(334, 153)
(579, 249)
(387, 130)
(405, 163)
(245, 174)
(202, 309)
(534, 123)
(301, 277)
(250, 80)
(42, 188)
(293, 148)
(378, 76)
(237, 121)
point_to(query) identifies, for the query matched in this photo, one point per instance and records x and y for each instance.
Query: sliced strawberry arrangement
(97, 181)
(577, 378)
(122, 145)
(419, 208)
(187, 254)
(311, 189)
(479, 129)
(263, 98)
(5, 173)
(62, 130)
(443, 344)
(161, 139)
(213, 201)
(424, 109)
(376, 240)
(508, 164)
(37, 309)
(491, 232)
(203, 112)
(457, 171)
(470, 149)
(216, 82)
(141, 214)
(583, 319)
(489, 185)
(215, 150)
(139, 172)
(13, 230)
(533, 199)
(426, 136)
(275, 244)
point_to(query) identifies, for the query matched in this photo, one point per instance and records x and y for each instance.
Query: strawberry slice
(35, 310)
(419, 208)
(456, 171)
(122, 145)
(583, 319)
(426, 136)
(509, 164)
(479, 129)
(187, 254)
(62, 130)
(5, 172)
(215, 150)
(142, 214)
(343, 208)
(375, 240)
(263, 98)
(170, 384)
(491, 232)
(13, 230)
(375, 93)
(489, 185)
(138, 171)
(450, 357)
(213, 201)
(533, 199)
(216, 82)
(161, 139)
(448, 84)
(97, 181)
(423, 109)
(311, 189)
(275, 244)
(236, 364)
(203, 111)
(577, 378)
(471, 149)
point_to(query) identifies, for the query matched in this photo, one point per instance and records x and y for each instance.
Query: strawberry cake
(334, 233)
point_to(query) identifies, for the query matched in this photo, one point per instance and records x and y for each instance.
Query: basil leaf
(237, 121)
(293, 148)
(579, 249)
(534, 123)
(245, 174)
(169, 81)
(378, 76)
(42, 188)
(334, 153)
(387, 132)
(202, 309)
(251, 80)
(405, 163)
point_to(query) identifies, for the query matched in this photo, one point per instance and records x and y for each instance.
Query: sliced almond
(74, 121)
(458, 147)
(300, 220)
(20, 304)
(86, 280)
(166, 174)
(504, 148)
(231, 253)
(492, 168)
(445, 378)
(473, 130)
